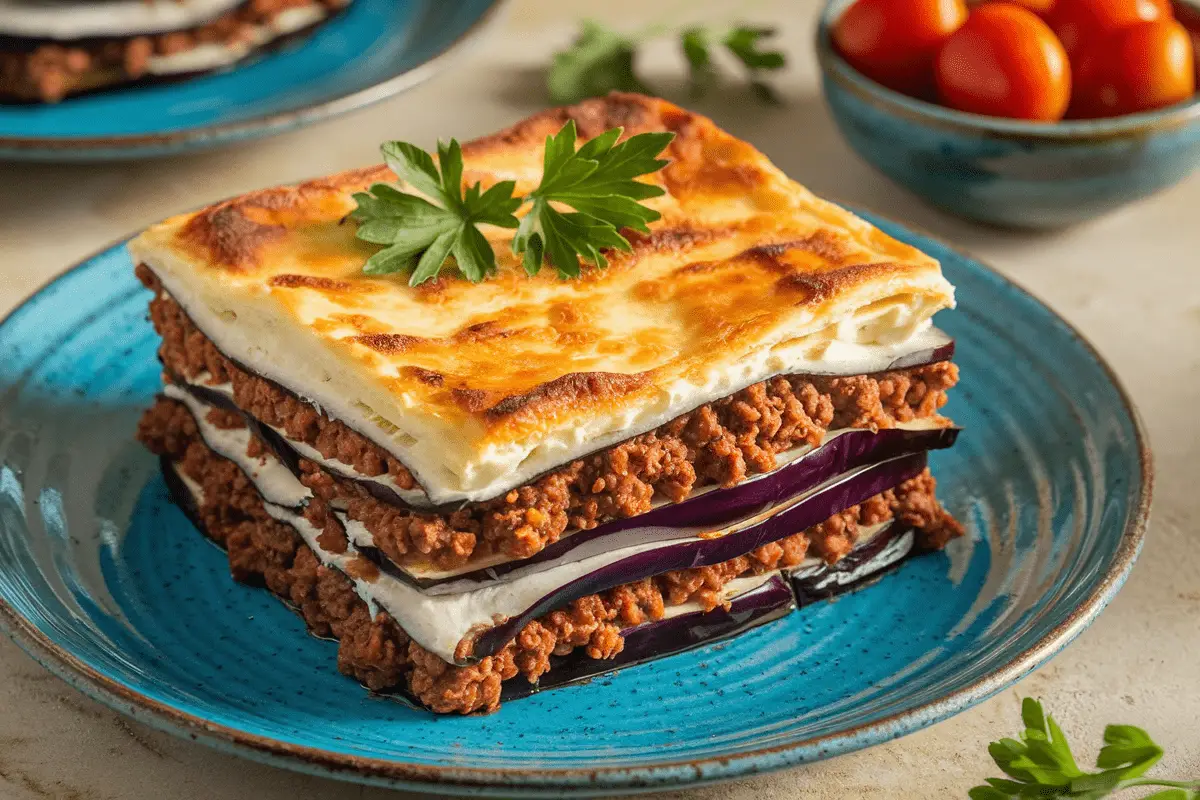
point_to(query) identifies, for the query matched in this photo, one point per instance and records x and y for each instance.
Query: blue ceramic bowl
(1001, 171)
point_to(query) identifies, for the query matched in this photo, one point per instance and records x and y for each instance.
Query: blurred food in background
(50, 51)
(603, 60)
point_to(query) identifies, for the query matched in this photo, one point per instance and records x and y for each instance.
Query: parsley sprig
(597, 181)
(420, 234)
(601, 60)
(1040, 764)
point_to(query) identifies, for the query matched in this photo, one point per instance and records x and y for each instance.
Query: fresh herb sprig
(601, 60)
(597, 182)
(1040, 764)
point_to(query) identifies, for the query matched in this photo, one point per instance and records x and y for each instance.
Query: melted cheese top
(477, 388)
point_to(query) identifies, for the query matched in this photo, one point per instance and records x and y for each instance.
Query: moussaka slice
(50, 50)
(486, 488)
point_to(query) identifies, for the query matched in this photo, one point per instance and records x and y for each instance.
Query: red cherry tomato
(1077, 22)
(1138, 68)
(894, 41)
(1004, 62)
(1039, 7)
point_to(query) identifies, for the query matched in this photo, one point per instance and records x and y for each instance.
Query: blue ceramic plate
(372, 50)
(109, 586)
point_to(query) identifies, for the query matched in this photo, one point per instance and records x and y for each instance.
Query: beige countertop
(1130, 281)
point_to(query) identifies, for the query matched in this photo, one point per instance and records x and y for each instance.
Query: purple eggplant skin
(889, 549)
(721, 508)
(696, 553)
(705, 552)
(773, 600)
(707, 511)
(666, 637)
(287, 453)
(643, 643)
(712, 510)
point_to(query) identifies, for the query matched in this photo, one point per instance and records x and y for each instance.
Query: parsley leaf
(696, 44)
(1041, 765)
(745, 44)
(602, 60)
(597, 181)
(419, 234)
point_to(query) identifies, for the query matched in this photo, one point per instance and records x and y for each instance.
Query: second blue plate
(108, 585)
(372, 50)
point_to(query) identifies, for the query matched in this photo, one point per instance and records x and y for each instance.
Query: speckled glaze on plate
(106, 583)
(369, 52)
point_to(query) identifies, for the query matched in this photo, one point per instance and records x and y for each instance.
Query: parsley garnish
(1041, 764)
(596, 181)
(601, 60)
(420, 234)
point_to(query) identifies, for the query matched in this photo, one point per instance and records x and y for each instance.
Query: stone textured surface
(1130, 281)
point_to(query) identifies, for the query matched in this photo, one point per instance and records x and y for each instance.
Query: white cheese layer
(450, 468)
(440, 617)
(414, 497)
(59, 19)
(439, 623)
(895, 550)
(215, 55)
(275, 482)
(810, 565)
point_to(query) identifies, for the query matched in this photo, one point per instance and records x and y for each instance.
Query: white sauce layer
(414, 497)
(439, 622)
(895, 550)
(63, 19)
(439, 618)
(214, 55)
(452, 467)
(890, 554)
(275, 482)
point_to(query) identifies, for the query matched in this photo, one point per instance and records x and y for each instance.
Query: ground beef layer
(48, 71)
(722, 443)
(378, 653)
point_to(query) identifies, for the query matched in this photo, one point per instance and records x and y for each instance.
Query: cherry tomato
(1195, 34)
(1039, 7)
(1138, 68)
(1077, 22)
(1004, 62)
(894, 41)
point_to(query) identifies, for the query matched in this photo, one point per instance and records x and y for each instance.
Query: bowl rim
(837, 69)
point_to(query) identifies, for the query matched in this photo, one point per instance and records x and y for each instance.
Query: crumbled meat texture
(378, 653)
(187, 352)
(722, 443)
(50, 71)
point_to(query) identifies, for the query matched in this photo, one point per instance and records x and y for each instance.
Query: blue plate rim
(219, 133)
(552, 782)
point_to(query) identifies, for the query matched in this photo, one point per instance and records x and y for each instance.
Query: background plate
(107, 584)
(371, 51)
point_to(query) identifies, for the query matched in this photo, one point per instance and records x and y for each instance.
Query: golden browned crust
(745, 267)
(723, 442)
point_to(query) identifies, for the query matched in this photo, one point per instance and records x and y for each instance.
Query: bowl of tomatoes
(1029, 114)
